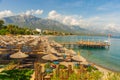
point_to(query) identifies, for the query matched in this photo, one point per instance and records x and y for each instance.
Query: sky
(91, 14)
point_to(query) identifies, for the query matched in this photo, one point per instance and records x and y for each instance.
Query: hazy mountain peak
(26, 16)
(35, 22)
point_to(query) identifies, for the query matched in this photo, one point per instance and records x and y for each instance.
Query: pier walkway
(87, 44)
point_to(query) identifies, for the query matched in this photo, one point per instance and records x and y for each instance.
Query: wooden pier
(86, 44)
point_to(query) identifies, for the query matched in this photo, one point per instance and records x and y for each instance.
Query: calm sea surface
(108, 58)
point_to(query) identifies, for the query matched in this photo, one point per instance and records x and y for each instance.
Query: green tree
(3, 32)
(1, 23)
(10, 28)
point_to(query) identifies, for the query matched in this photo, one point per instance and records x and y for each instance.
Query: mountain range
(34, 22)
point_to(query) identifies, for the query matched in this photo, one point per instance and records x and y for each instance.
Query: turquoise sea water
(108, 58)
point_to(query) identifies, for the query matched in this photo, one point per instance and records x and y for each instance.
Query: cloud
(66, 19)
(98, 23)
(54, 15)
(33, 12)
(75, 20)
(6, 13)
(109, 21)
(112, 27)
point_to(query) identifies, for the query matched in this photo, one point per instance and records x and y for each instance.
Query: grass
(17, 74)
(113, 76)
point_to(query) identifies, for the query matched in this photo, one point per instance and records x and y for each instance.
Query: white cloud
(54, 15)
(6, 13)
(33, 12)
(38, 12)
(112, 27)
(68, 20)
(72, 19)
(101, 22)
(98, 23)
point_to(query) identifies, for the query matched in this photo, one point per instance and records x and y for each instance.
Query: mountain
(114, 31)
(35, 22)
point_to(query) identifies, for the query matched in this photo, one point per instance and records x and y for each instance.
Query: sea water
(108, 58)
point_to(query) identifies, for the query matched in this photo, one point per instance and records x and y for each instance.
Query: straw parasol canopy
(18, 55)
(50, 57)
(58, 45)
(34, 43)
(59, 54)
(51, 50)
(70, 52)
(20, 44)
(78, 58)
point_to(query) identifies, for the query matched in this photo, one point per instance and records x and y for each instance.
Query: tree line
(14, 29)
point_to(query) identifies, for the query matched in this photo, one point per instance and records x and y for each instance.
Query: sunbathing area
(43, 59)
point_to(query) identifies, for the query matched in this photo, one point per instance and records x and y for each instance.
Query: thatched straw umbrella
(70, 52)
(59, 54)
(50, 57)
(78, 58)
(20, 44)
(34, 43)
(51, 50)
(3, 43)
(56, 44)
(18, 55)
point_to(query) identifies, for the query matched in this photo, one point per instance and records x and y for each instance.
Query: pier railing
(87, 44)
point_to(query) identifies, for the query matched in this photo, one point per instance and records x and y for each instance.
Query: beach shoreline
(49, 36)
(100, 68)
(89, 61)
(50, 43)
(103, 69)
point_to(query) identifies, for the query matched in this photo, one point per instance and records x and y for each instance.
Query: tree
(10, 28)
(1, 23)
